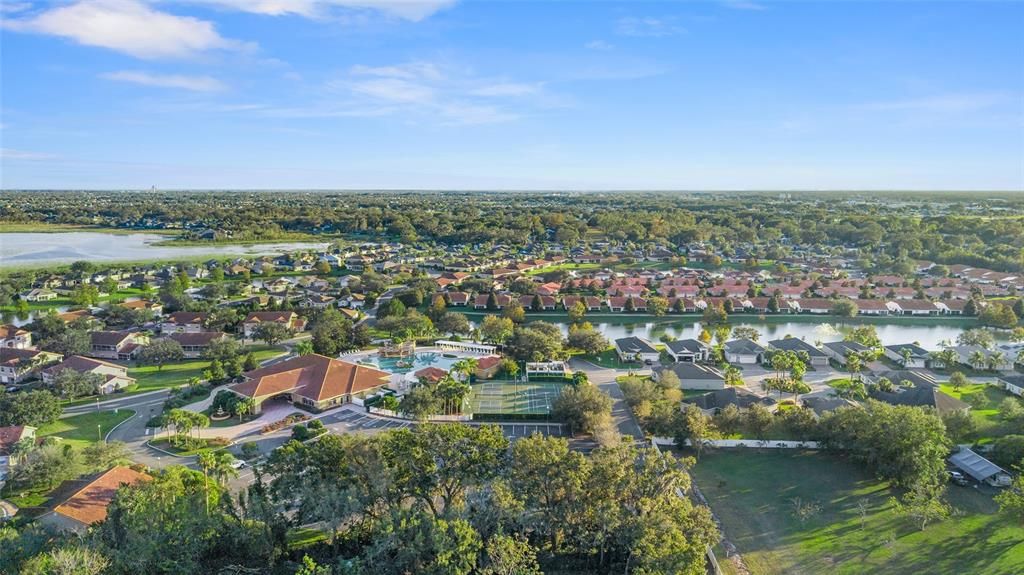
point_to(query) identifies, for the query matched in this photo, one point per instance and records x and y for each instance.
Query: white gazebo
(467, 346)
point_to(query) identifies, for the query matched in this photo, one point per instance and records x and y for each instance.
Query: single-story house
(15, 337)
(289, 319)
(39, 294)
(913, 307)
(692, 375)
(184, 321)
(817, 356)
(1013, 384)
(86, 501)
(922, 396)
(909, 355)
(636, 348)
(430, 374)
(313, 381)
(743, 351)
(981, 469)
(116, 376)
(821, 404)
(154, 306)
(9, 436)
(688, 350)
(840, 351)
(123, 345)
(196, 344)
(716, 400)
(967, 355)
(17, 364)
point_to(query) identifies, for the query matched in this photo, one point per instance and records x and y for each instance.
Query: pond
(928, 333)
(33, 248)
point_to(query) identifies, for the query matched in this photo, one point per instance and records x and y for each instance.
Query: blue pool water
(419, 361)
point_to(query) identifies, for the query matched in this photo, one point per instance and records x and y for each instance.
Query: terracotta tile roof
(187, 317)
(488, 362)
(312, 376)
(82, 364)
(89, 504)
(431, 373)
(7, 331)
(9, 436)
(261, 316)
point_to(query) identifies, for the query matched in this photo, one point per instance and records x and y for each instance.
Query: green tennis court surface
(509, 397)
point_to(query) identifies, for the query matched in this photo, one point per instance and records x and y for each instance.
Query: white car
(238, 463)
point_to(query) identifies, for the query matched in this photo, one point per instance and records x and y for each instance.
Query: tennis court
(534, 398)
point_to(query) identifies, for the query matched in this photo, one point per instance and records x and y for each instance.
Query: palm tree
(854, 365)
(995, 360)
(223, 468)
(22, 448)
(207, 461)
(906, 353)
(977, 359)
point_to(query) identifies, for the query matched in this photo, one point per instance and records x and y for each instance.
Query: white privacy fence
(757, 443)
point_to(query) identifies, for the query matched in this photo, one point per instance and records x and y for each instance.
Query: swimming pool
(419, 361)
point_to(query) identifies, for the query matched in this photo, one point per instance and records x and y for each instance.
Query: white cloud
(743, 5)
(944, 103)
(127, 26)
(506, 89)
(412, 10)
(647, 26)
(194, 83)
(598, 45)
(12, 154)
(426, 91)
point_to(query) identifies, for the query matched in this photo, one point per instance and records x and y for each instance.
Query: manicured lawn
(194, 447)
(752, 493)
(81, 430)
(304, 537)
(986, 415)
(149, 377)
(608, 358)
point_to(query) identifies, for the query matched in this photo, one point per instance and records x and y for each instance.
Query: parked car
(957, 477)
(238, 463)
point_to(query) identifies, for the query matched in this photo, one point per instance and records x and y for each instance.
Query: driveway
(604, 378)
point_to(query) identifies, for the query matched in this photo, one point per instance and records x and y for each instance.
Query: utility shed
(979, 468)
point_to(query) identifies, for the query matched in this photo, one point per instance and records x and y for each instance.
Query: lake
(28, 249)
(928, 336)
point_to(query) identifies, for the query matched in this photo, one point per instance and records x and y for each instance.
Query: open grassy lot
(986, 413)
(84, 429)
(752, 492)
(608, 358)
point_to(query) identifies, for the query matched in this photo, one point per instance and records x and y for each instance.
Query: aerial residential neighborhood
(453, 287)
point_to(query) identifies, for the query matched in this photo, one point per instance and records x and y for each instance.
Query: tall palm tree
(995, 360)
(223, 468)
(977, 359)
(207, 461)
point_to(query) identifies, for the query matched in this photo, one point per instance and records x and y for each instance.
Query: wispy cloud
(743, 5)
(648, 26)
(430, 92)
(600, 45)
(12, 154)
(128, 26)
(193, 83)
(412, 10)
(942, 103)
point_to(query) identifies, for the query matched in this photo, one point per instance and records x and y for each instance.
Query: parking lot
(350, 420)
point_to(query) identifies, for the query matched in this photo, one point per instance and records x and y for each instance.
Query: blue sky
(512, 95)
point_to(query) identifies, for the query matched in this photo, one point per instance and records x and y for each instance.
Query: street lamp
(97, 404)
(99, 433)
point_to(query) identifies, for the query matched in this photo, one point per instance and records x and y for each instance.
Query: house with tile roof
(184, 321)
(312, 381)
(18, 364)
(115, 376)
(9, 436)
(122, 345)
(289, 319)
(87, 500)
(15, 337)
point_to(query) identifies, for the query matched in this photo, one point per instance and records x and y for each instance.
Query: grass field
(81, 430)
(752, 493)
(149, 378)
(503, 397)
(986, 415)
